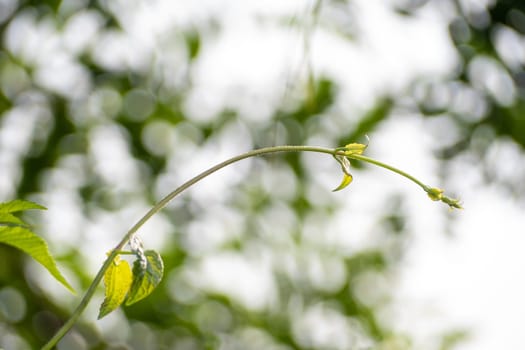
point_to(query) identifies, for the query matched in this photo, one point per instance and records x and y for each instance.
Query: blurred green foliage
(127, 101)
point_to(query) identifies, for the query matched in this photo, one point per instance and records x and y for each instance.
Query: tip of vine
(452, 203)
(436, 194)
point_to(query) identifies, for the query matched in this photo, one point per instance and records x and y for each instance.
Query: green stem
(164, 201)
(389, 167)
(434, 193)
(125, 252)
(155, 209)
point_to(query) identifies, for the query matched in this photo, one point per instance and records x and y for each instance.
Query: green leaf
(117, 280)
(19, 205)
(354, 148)
(16, 233)
(146, 277)
(347, 176)
(7, 219)
(347, 179)
(25, 240)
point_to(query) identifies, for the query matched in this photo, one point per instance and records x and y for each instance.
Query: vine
(126, 285)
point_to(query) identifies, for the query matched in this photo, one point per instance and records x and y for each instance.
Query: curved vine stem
(389, 167)
(155, 209)
(164, 201)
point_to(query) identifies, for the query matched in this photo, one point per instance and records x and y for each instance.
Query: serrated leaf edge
(137, 292)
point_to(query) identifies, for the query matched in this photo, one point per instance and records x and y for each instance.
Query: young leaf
(354, 148)
(8, 219)
(347, 177)
(117, 280)
(146, 277)
(19, 205)
(25, 240)
(16, 233)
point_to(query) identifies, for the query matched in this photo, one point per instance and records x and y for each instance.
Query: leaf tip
(347, 179)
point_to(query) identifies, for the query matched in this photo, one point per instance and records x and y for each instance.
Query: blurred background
(106, 106)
